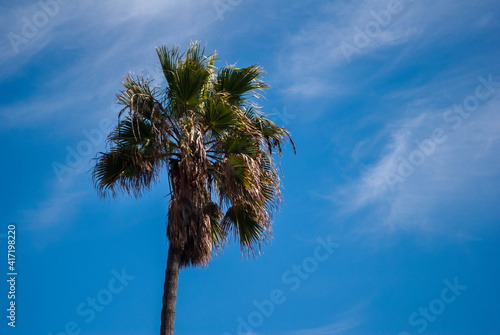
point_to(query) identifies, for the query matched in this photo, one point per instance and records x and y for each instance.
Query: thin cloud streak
(320, 47)
(344, 322)
(464, 164)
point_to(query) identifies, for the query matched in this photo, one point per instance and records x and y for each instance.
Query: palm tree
(206, 131)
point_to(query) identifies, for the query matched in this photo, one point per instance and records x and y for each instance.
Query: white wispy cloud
(455, 175)
(136, 20)
(339, 327)
(318, 55)
(342, 323)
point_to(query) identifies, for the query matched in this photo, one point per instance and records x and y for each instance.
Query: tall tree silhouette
(205, 129)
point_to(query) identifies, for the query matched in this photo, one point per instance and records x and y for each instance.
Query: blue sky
(390, 223)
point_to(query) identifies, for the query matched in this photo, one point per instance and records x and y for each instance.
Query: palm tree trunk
(170, 291)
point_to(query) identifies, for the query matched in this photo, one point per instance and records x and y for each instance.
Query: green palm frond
(240, 143)
(244, 224)
(272, 136)
(138, 95)
(126, 171)
(238, 83)
(169, 60)
(133, 134)
(187, 84)
(217, 117)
